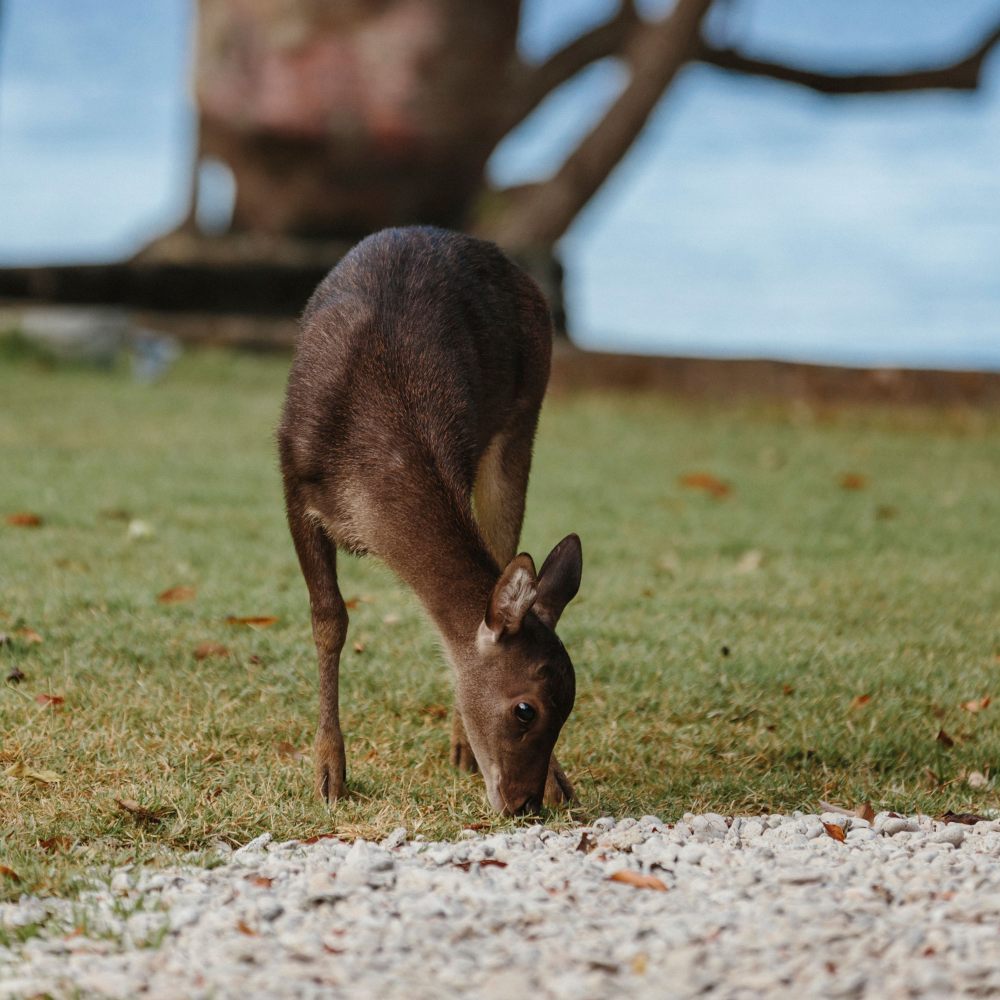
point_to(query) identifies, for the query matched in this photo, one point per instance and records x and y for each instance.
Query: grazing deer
(419, 373)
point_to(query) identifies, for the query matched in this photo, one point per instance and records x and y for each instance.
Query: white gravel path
(775, 906)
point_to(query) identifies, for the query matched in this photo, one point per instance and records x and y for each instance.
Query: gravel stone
(753, 906)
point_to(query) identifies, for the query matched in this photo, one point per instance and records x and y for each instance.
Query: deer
(412, 402)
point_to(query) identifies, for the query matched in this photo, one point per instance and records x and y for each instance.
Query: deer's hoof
(331, 769)
(558, 790)
(462, 756)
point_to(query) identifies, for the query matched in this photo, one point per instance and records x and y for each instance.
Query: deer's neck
(453, 575)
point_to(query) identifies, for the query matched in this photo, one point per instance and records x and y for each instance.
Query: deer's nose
(531, 805)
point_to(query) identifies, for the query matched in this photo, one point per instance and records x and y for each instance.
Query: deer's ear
(559, 579)
(512, 597)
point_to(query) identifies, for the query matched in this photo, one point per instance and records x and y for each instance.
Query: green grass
(891, 591)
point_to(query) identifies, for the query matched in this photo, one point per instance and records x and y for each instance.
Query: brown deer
(419, 372)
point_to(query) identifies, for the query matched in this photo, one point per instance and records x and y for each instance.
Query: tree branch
(539, 214)
(536, 82)
(963, 74)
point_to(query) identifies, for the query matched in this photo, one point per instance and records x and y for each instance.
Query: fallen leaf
(53, 844)
(359, 647)
(176, 595)
(865, 811)
(261, 881)
(968, 819)
(290, 751)
(142, 814)
(860, 700)
(9, 872)
(853, 481)
(28, 635)
(787, 690)
(835, 831)
(638, 964)
(706, 482)
(351, 603)
(977, 704)
(24, 519)
(944, 739)
(638, 880)
(210, 650)
(253, 621)
(16, 676)
(484, 863)
(244, 928)
(49, 700)
(586, 843)
(21, 770)
(317, 837)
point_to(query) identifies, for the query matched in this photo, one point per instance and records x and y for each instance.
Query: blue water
(751, 219)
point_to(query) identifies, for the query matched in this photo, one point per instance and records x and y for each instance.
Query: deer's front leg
(318, 559)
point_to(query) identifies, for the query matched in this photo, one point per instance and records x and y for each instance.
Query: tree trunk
(340, 118)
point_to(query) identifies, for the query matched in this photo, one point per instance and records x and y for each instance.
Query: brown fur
(419, 373)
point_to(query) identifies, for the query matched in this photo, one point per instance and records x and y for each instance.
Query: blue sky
(750, 219)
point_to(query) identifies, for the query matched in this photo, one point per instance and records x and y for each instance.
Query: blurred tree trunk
(339, 118)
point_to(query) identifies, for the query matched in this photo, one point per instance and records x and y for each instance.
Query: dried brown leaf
(706, 482)
(39, 776)
(638, 880)
(49, 700)
(853, 481)
(968, 819)
(9, 872)
(586, 843)
(252, 621)
(290, 751)
(483, 863)
(54, 844)
(835, 831)
(176, 595)
(16, 676)
(865, 811)
(29, 636)
(359, 647)
(944, 739)
(210, 650)
(261, 881)
(244, 928)
(143, 814)
(977, 704)
(860, 700)
(24, 519)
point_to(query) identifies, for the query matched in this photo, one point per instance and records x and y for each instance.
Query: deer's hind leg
(318, 559)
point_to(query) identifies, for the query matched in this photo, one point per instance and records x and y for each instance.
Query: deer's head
(520, 688)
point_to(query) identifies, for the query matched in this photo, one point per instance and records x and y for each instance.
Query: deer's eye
(524, 713)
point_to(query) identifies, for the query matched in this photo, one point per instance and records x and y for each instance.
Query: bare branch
(540, 213)
(963, 74)
(536, 82)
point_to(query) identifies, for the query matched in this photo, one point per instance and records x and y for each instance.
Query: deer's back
(414, 352)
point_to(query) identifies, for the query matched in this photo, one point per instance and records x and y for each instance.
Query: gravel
(735, 907)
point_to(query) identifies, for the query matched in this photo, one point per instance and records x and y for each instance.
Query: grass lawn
(790, 641)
